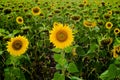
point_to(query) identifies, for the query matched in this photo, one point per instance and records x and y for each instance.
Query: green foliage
(13, 73)
(58, 76)
(89, 57)
(112, 73)
(60, 59)
(1, 52)
(72, 68)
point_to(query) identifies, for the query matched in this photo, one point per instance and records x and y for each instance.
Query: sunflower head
(106, 16)
(108, 25)
(19, 20)
(7, 11)
(85, 2)
(56, 24)
(76, 18)
(89, 24)
(110, 12)
(106, 42)
(17, 45)
(36, 11)
(116, 31)
(116, 51)
(61, 36)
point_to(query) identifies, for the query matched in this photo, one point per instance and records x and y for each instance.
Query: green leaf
(60, 59)
(72, 68)
(9, 36)
(58, 76)
(13, 60)
(111, 73)
(104, 75)
(58, 67)
(1, 52)
(57, 57)
(93, 47)
(68, 49)
(75, 78)
(2, 30)
(13, 73)
(15, 31)
(57, 50)
(80, 51)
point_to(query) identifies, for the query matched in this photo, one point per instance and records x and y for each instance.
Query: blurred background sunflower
(19, 20)
(108, 25)
(36, 11)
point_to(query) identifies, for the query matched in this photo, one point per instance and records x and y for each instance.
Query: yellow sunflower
(106, 42)
(108, 25)
(56, 24)
(74, 52)
(19, 20)
(36, 11)
(85, 2)
(89, 24)
(110, 12)
(116, 31)
(116, 51)
(61, 36)
(17, 46)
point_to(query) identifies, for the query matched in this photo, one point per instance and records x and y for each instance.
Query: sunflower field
(59, 39)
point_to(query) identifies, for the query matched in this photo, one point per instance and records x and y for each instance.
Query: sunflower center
(35, 10)
(20, 20)
(17, 45)
(61, 36)
(116, 31)
(109, 25)
(88, 23)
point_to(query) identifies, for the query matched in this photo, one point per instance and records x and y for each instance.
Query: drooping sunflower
(116, 51)
(106, 16)
(19, 20)
(36, 11)
(108, 25)
(76, 18)
(61, 36)
(89, 24)
(106, 42)
(116, 31)
(17, 45)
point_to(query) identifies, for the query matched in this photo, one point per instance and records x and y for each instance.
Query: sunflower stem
(63, 56)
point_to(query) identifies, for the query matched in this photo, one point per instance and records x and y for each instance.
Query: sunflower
(110, 12)
(17, 45)
(108, 25)
(7, 11)
(36, 11)
(76, 18)
(74, 52)
(19, 20)
(116, 31)
(85, 2)
(56, 24)
(89, 24)
(106, 41)
(61, 36)
(116, 51)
